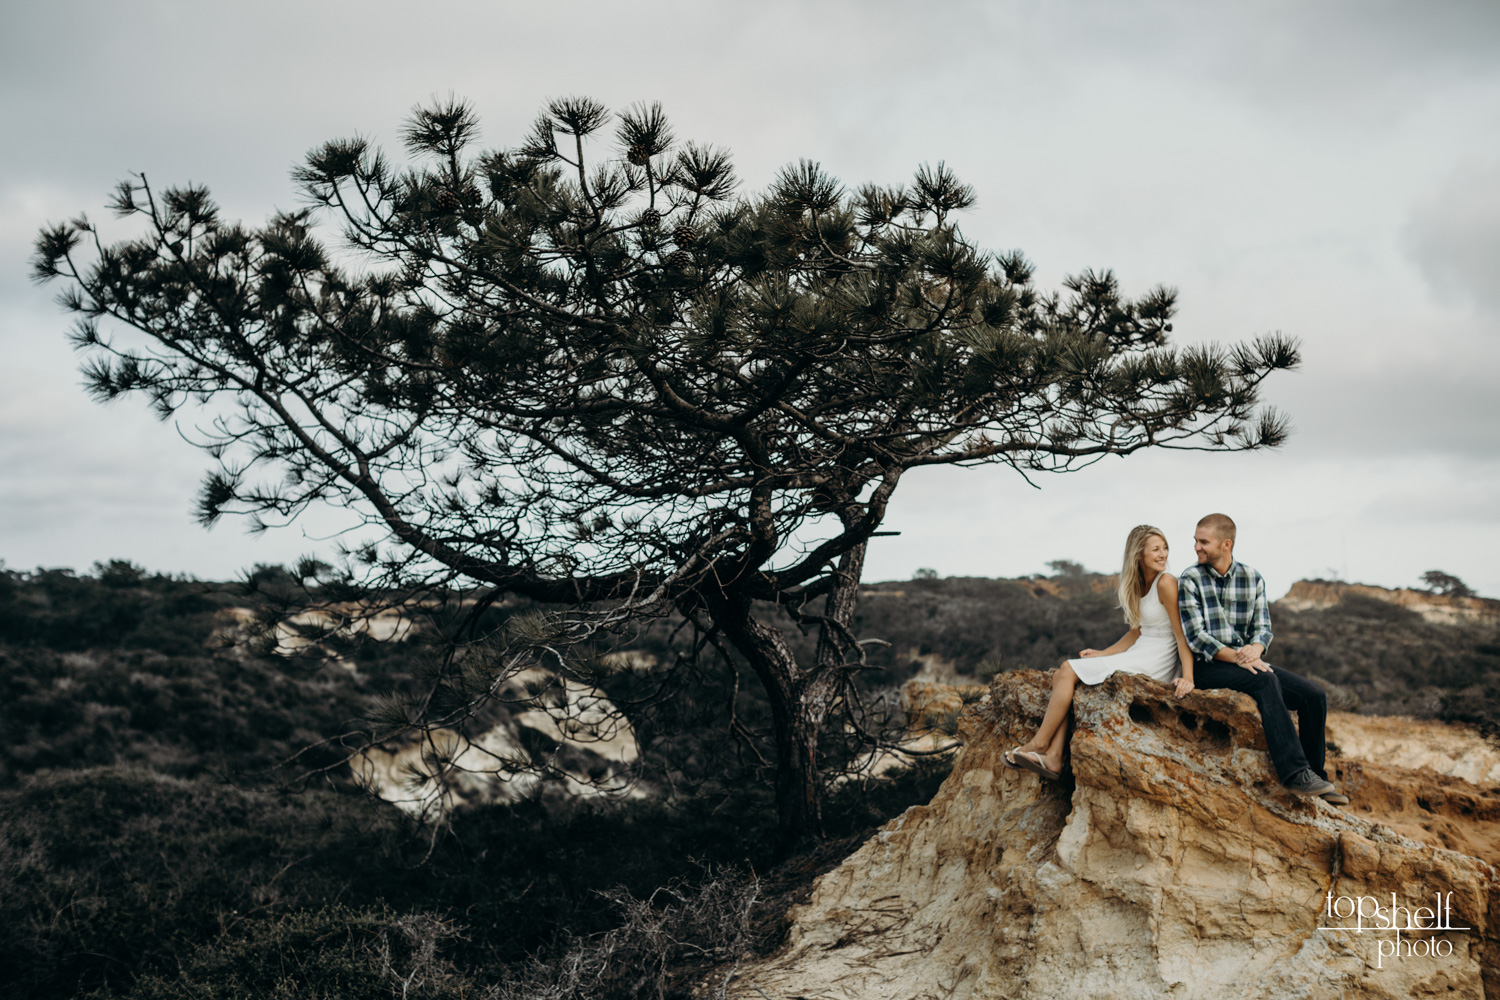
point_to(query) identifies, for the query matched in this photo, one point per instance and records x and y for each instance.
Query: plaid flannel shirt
(1223, 610)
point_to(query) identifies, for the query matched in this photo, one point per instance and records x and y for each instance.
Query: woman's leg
(1054, 752)
(1052, 736)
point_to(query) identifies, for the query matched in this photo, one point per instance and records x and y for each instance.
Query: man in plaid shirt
(1227, 623)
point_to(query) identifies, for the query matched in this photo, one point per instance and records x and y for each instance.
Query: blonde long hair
(1132, 581)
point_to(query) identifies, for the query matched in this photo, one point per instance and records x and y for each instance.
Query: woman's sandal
(1030, 760)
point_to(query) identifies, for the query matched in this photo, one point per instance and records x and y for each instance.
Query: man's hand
(1253, 664)
(1247, 653)
(1183, 686)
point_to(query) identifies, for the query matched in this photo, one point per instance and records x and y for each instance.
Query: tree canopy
(1446, 584)
(586, 369)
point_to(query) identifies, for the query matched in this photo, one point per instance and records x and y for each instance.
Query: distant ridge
(1305, 595)
(1316, 595)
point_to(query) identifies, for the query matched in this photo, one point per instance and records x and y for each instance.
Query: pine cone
(650, 218)
(679, 259)
(639, 154)
(684, 236)
(448, 201)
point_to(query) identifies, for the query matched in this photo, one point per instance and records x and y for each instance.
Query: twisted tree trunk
(801, 700)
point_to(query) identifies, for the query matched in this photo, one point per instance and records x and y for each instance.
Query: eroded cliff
(1439, 608)
(1169, 863)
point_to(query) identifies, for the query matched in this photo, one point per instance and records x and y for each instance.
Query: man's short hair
(1220, 524)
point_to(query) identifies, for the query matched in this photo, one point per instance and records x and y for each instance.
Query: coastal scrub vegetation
(150, 848)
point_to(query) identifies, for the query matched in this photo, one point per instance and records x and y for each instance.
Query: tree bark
(838, 610)
(798, 791)
(801, 700)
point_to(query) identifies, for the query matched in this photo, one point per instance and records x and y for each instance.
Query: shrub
(660, 945)
(333, 953)
(110, 872)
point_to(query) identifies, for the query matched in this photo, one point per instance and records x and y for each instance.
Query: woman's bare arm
(1126, 641)
(1166, 591)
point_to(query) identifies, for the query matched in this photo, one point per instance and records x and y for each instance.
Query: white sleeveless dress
(1153, 654)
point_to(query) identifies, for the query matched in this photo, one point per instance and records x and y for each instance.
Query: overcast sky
(1329, 170)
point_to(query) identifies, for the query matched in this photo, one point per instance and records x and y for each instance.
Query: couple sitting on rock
(1208, 630)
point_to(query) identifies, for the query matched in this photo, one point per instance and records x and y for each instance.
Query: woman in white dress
(1154, 646)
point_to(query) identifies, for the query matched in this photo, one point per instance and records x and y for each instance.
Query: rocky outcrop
(932, 712)
(1445, 748)
(930, 668)
(936, 706)
(557, 735)
(1170, 862)
(308, 633)
(1316, 595)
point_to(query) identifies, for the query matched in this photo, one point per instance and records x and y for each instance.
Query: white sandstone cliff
(1170, 864)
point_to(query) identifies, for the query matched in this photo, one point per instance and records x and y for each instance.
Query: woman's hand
(1090, 652)
(1183, 686)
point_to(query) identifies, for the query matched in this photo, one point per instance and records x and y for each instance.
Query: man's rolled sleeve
(1190, 609)
(1260, 623)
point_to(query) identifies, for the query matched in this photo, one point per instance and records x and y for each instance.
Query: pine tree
(587, 372)
(1446, 584)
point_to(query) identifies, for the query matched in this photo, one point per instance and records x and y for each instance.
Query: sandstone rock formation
(1170, 862)
(932, 706)
(559, 732)
(306, 634)
(1308, 595)
(930, 668)
(1446, 748)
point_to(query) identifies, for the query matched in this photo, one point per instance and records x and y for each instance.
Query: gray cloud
(1262, 157)
(1442, 401)
(1454, 236)
(1367, 60)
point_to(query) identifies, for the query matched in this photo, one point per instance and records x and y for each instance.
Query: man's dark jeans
(1277, 694)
